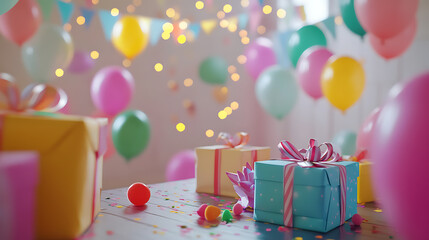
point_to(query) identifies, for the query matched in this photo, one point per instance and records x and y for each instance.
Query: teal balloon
(6, 5)
(277, 91)
(130, 133)
(346, 141)
(214, 70)
(302, 39)
(49, 49)
(349, 17)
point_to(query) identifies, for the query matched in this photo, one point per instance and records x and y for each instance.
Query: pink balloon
(260, 56)
(309, 69)
(181, 166)
(81, 62)
(385, 18)
(112, 89)
(399, 151)
(21, 22)
(364, 136)
(395, 46)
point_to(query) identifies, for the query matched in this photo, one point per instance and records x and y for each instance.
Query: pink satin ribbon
(35, 97)
(307, 158)
(229, 142)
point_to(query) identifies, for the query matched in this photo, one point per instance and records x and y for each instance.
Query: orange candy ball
(138, 194)
(212, 213)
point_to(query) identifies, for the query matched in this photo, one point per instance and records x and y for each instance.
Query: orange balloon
(211, 213)
(21, 22)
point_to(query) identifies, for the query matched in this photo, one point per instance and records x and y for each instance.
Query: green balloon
(214, 70)
(302, 39)
(49, 49)
(349, 16)
(277, 91)
(346, 141)
(6, 5)
(131, 133)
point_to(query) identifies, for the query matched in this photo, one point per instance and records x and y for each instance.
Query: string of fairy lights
(223, 21)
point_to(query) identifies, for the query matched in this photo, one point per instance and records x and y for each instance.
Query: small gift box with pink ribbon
(213, 162)
(306, 189)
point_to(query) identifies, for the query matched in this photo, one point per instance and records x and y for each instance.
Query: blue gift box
(316, 194)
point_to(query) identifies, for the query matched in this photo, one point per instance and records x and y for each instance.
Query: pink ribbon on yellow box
(239, 141)
(307, 158)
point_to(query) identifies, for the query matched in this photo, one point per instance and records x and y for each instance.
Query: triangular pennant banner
(66, 10)
(208, 25)
(243, 19)
(107, 22)
(46, 7)
(195, 29)
(300, 10)
(280, 41)
(261, 2)
(329, 23)
(255, 19)
(155, 30)
(87, 14)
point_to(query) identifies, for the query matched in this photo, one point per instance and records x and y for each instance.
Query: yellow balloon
(343, 81)
(130, 35)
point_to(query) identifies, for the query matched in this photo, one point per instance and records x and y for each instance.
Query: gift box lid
(59, 124)
(272, 170)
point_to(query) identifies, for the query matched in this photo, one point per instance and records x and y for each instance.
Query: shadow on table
(131, 209)
(342, 232)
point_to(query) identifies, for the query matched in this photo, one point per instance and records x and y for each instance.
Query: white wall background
(308, 119)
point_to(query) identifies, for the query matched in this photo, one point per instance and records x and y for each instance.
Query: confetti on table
(268, 229)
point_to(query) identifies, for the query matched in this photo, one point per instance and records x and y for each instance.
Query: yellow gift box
(70, 148)
(364, 183)
(213, 162)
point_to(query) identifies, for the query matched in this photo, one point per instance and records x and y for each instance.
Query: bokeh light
(67, 27)
(244, 3)
(232, 27)
(181, 39)
(126, 63)
(165, 35)
(95, 2)
(183, 25)
(170, 12)
(232, 69)
(180, 127)
(261, 29)
(224, 90)
(158, 67)
(235, 77)
(199, 5)
(227, 8)
(131, 8)
(80, 20)
(242, 33)
(209, 133)
(234, 105)
(223, 23)
(59, 72)
(167, 27)
(241, 59)
(94, 54)
(228, 110)
(338, 20)
(281, 13)
(188, 82)
(267, 9)
(114, 12)
(220, 14)
(245, 40)
(222, 114)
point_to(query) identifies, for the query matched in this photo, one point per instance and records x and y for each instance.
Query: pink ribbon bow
(244, 185)
(240, 140)
(306, 158)
(37, 97)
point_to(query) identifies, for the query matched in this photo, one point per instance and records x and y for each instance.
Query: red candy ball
(138, 194)
(357, 220)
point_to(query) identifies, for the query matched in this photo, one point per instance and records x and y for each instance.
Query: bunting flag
(107, 22)
(208, 25)
(329, 23)
(195, 28)
(301, 12)
(66, 10)
(155, 30)
(261, 2)
(255, 19)
(243, 19)
(46, 7)
(87, 14)
(280, 41)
